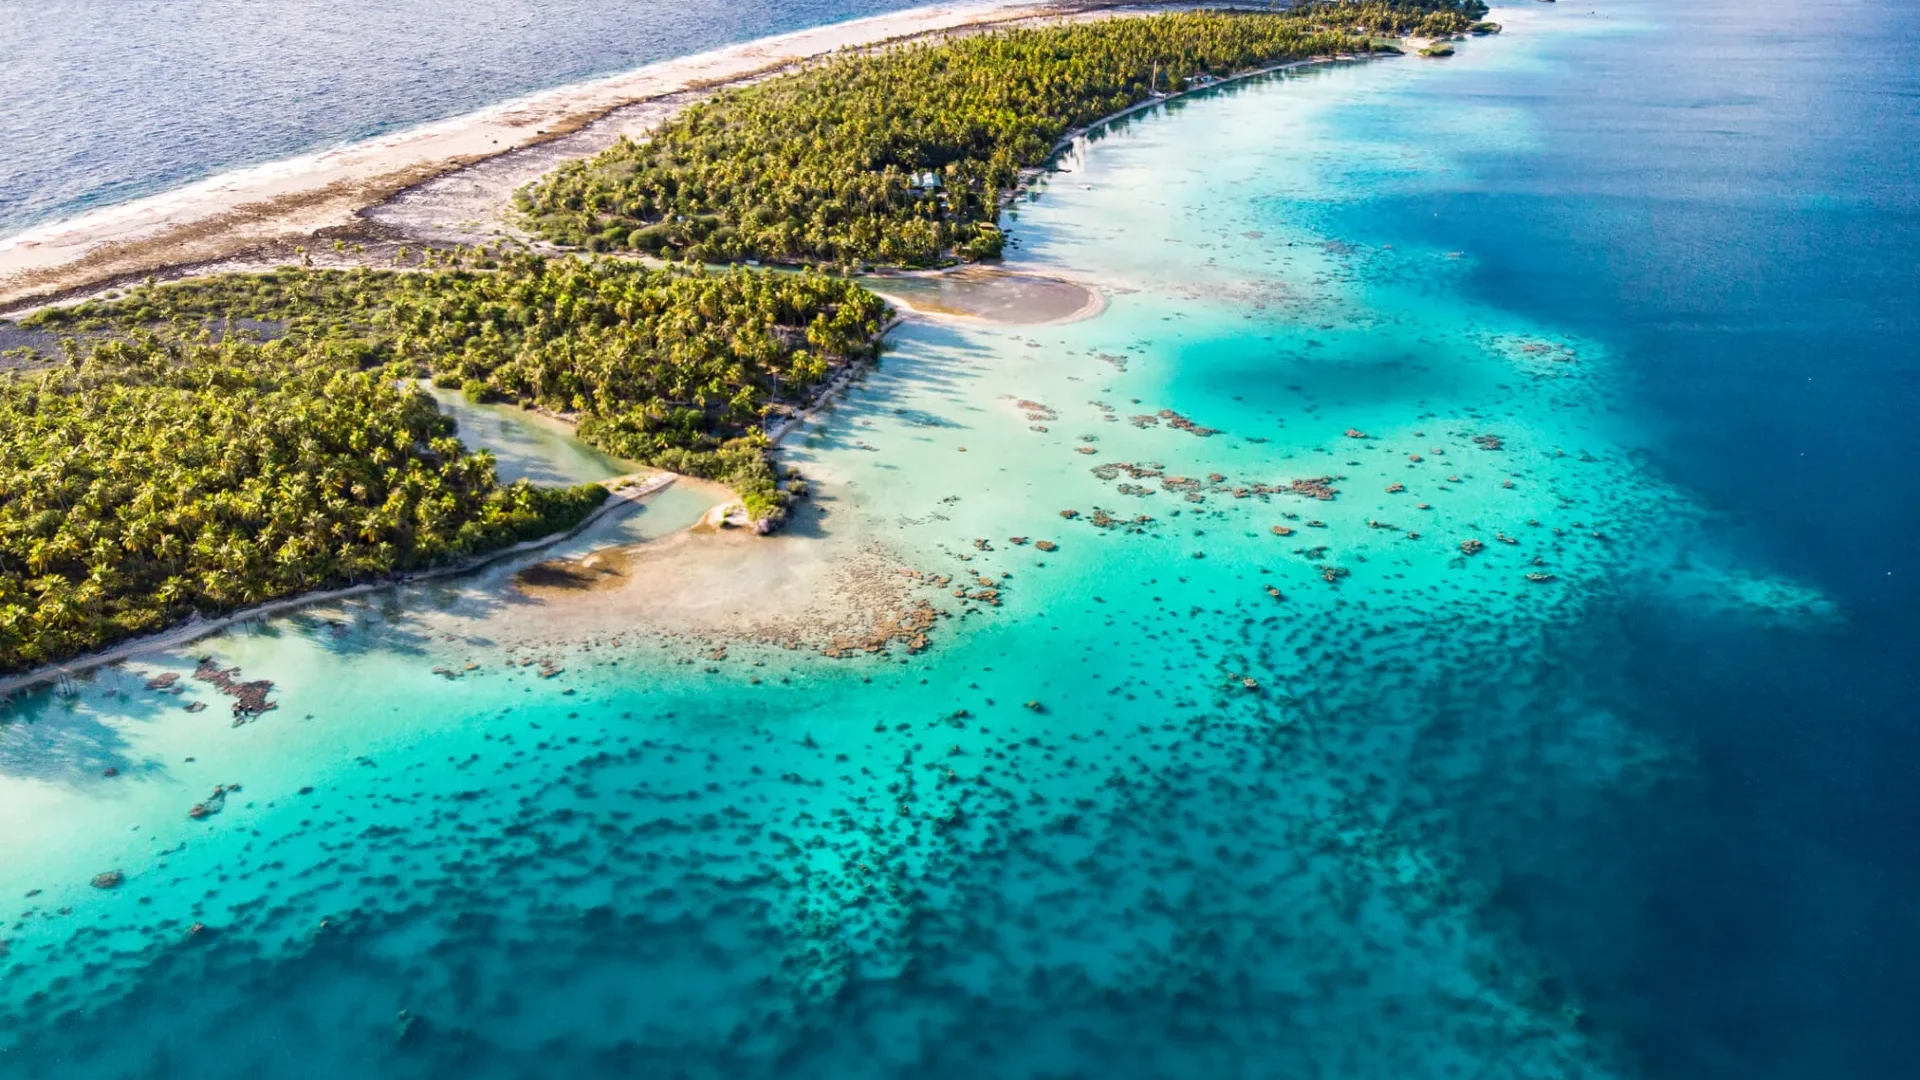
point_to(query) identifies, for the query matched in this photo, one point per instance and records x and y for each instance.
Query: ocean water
(111, 100)
(1621, 294)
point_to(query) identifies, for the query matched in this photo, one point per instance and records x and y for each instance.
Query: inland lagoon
(1440, 614)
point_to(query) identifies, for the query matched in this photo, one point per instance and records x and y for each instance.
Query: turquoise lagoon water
(527, 446)
(1145, 818)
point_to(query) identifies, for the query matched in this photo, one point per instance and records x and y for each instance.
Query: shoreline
(1028, 175)
(197, 628)
(370, 191)
(327, 193)
(813, 411)
(824, 398)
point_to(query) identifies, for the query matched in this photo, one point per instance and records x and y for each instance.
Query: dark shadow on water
(939, 367)
(55, 734)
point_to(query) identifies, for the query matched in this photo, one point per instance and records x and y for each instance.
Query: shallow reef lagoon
(112, 100)
(1625, 296)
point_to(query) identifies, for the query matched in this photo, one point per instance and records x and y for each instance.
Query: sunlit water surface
(1418, 815)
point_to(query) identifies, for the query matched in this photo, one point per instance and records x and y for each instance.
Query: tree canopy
(649, 361)
(174, 464)
(901, 156)
(155, 479)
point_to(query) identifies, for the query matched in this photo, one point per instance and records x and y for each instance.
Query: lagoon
(1419, 814)
(527, 445)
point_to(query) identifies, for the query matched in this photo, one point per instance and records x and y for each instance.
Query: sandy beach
(989, 293)
(814, 586)
(443, 181)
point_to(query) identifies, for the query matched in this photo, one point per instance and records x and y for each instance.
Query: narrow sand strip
(290, 201)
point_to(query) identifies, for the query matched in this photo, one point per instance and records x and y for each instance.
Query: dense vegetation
(157, 471)
(172, 463)
(831, 164)
(154, 479)
(673, 368)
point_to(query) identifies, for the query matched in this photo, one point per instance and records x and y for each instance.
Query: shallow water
(527, 446)
(1461, 823)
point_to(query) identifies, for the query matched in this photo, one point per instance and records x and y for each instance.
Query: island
(219, 442)
(209, 443)
(902, 157)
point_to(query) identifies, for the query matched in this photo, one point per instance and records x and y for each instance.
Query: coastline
(827, 394)
(623, 492)
(444, 182)
(325, 194)
(949, 19)
(1027, 176)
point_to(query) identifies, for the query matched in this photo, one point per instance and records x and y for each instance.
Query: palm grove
(902, 156)
(172, 464)
(158, 472)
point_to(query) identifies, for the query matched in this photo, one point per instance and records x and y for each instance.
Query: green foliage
(648, 360)
(829, 165)
(157, 472)
(743, 465)
(156, 479)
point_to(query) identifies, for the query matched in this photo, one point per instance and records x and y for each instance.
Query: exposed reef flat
(817, 585)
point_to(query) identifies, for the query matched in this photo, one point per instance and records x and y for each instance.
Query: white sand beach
(290, 201)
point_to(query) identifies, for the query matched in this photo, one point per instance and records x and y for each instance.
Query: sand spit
(324, 194)
(990, 293)
(811, 586)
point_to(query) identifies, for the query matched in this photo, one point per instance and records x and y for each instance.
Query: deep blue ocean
(1730, 201)
(1656, 815)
